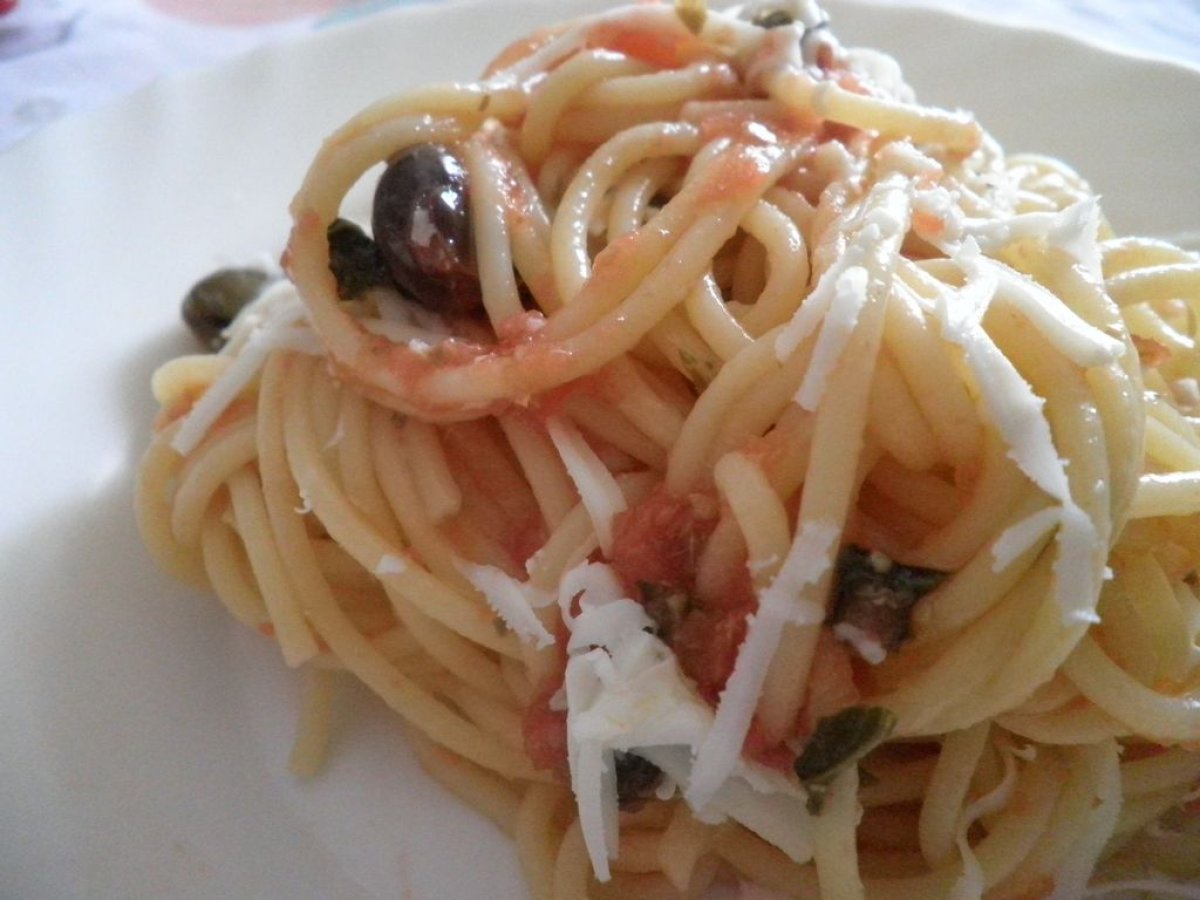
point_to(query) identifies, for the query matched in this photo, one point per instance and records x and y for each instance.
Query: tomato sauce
(657, 47)
(706, 644)
(544, 729)
(659, 540)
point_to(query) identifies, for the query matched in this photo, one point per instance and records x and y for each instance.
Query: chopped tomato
(659, 540)
(735, 595)
(759, 748)
(706, 645)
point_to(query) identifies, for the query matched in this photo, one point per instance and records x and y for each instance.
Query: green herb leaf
(842, 740)
(354, 260)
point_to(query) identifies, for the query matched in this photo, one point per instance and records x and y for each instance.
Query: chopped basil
(354, 260)
(874, 598)
(839, 741)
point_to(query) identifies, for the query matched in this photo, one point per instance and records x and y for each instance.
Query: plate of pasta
(653, 450)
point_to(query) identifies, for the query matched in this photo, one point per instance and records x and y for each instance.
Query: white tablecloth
(60, 57)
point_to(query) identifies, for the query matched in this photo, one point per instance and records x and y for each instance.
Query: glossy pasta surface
(730, 467)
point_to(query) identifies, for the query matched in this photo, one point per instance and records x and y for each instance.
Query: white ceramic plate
(145, 736)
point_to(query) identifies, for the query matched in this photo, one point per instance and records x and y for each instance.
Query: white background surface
(61, 57)
(145, 735)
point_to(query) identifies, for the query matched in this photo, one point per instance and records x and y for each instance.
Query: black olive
(637, 779)
(354, 260)
(422, 224)
(214, 302)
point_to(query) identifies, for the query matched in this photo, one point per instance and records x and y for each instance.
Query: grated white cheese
(279, 331)
(1018, 538)
(816, 305)
(1074, 230)
(862, 272)
(1017, 413)
(602, 622)
(903, 157)
(598, 489)
(867, 645)
(625, 692)
(809, 557)
(617, 686)
(849, 298)
(512, 600)
(597, 581)
(938, 204)
(391, 564)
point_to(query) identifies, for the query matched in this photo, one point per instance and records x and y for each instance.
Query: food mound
(728, 466)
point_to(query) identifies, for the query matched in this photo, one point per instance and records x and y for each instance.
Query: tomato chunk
(659, 540)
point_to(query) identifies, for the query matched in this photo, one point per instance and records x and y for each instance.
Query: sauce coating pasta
(729, 467)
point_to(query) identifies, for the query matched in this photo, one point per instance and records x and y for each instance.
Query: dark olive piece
(422, 224)
(354, 260)
(214, 302)
(637, 779)
(876, 595)
(773, 18)
(665, 606)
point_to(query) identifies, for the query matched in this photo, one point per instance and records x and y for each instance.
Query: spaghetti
(729, 467)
